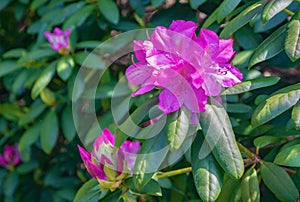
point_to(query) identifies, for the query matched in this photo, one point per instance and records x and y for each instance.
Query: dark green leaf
(4, 3)
(238, 108)
(226, 7)
(14, 53)
(240, 20)
(43, 80)
(292, 41)
(36, 4)
(270, 47)
(25, 168)
(281, 101)
(88, 190)
(279, 182)
(65, 67)
(230, 190)
(266, 140)
(110, 10)
(8, 66)
(220, 137)
(273, 7)
(289, 156)
(10, 184)
(36, 55)
(49, 131)
(29, 137)
(34, 111)
(250, 186)
(156, 3)
(151, 188)
(208, 175)
(89, 60)
(196, 3)
(78, 18)
(178, 128)
(88, 44)
(67, 123)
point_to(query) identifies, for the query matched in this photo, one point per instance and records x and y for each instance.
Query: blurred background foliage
(36, 86)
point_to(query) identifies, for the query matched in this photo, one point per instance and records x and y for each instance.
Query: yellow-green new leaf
(292, 41)
(296, 115)
(289, 156)
(250, 187)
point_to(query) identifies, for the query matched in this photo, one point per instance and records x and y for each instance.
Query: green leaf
(7, 67)
(14, 53)
(67, 123)
(270, 47)
(65, 67)
(292, 41)
(230, 190)
(208, 175)
(43, 80)
(238, 108)
(272, 8)
(266, 140)
(220, 137)
(226, 7)
(26, 168)
(278, 103)
(87, 191)
(279, 182)
(240, 20)
(156, 3)
(78, 18)
(289, 156)
(250, 186)
(89, 60)
(4, 3)
(48, 96)
(296, 115)
(110, 10)
(36, 55)
(151, 188)
(196, 3)
(178, 128)
(253, 84)
(34, 111)
(29, 137)
(10, 184)
(88, 44)
(36, 4)
(49, 131)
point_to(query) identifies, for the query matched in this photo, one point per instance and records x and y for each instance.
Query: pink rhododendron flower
(59, 40)
(186, 67)
(10, 157)
(108, 166)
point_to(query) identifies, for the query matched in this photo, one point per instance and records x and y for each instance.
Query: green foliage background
(36, 112)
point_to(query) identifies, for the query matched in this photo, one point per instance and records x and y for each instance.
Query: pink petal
(138, 74)
(208, 39)
(58, 31)
(108, 137)
(225, 52)
(232, 76)
(3, 161)
(211, 85)
(194, 119)
(144, 89)
(168, 102)
(186, 28)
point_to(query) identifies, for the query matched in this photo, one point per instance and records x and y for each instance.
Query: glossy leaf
(208, 175)
(250, 186)
(178, 128)
(196, 3)
(275, 105)
(7, 67)
(87, 191)
(296, 115)
(273, 7)
(36, 55)
(270, 47)
(49, 131)
(279, 182)
(43, 80)
(225, 8)
(240, 20)
(34, 111)
(220, 137)
(65, 67)
(67, 123)
(110, 10)
(266, 140)
(48, 96)
(151, 188)
(29, 137)
(231, 190)
(253, 84)
(14, 53)
(292, 41)
(157, 3)
(78, 18)
(289, 156)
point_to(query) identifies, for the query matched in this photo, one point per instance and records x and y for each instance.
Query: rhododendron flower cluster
(59, 40)
(186, 67)
(108, 165)
(10, 157)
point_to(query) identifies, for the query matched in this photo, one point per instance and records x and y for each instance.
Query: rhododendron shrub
(151, 100)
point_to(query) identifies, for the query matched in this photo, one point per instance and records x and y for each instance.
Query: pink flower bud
(108, 165)
(59, 40)
(10, 157)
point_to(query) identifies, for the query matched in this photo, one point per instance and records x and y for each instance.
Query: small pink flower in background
(10, 157)
(59, 40)
(186, 67)
(108, 166)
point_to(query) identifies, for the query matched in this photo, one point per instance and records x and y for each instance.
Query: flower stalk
(160, 175)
